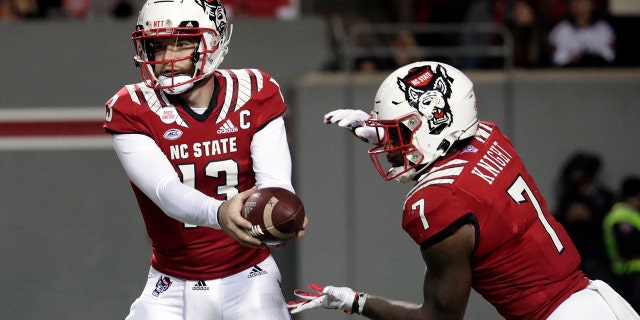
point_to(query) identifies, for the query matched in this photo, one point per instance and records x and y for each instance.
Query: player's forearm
(386, 309)
(151, 172)
(187, 204)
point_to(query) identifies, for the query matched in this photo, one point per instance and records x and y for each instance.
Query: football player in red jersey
(475, 212)
(195, 142)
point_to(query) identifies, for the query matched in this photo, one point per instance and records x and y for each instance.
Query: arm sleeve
(271, 156)
(150, 170)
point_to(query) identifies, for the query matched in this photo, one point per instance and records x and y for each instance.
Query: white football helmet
(203, 19)
(423, 108)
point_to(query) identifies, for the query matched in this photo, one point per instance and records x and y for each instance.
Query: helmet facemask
(397, 148)
(401, 149)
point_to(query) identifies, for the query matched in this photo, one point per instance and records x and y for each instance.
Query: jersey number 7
(517, 191)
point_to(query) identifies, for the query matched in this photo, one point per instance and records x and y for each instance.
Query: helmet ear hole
(444, 145)
(195, 57)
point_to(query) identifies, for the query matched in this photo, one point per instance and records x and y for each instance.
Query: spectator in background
(367, 64)
(622, 239)
(17, 9)
(518, 16)
(583, 203)
(524, 26)
(583, 38)
(122, 9)
(78, 9)
(405, 50)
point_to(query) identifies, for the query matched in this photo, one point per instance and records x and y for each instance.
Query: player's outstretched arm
(446, 288)
(355, 121)
(231, 220)
(447, 283)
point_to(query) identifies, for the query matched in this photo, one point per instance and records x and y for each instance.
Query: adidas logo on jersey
(200, 285)
(227, 127)
(256, 271)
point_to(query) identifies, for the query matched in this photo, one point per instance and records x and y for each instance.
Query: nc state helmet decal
(429, 92)
(216, 13)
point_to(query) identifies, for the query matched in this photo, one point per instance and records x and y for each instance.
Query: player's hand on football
(355, 121)
(300, 234)
(328, 297)
(231, 221)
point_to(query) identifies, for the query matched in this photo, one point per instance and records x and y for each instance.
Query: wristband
(358, 303)
(216, 223)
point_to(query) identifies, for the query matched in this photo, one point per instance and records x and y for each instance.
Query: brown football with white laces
(276, 214)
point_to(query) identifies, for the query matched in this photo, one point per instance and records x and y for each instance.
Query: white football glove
(328, 297)
(355, 121)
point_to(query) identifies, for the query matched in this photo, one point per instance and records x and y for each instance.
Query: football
(276, 214)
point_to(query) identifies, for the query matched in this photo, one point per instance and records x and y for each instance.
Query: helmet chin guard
(175, 85)
(423, 108)
(203, 20)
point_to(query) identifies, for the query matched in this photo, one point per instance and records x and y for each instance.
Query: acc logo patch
(172, 134)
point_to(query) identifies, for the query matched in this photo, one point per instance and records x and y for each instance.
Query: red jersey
(210, 152)
(524, 263)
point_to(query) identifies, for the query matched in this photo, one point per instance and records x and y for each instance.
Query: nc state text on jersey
(204, 149)
(492, 163)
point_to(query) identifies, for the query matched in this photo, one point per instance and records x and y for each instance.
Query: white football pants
(251, 294)
(598, 301)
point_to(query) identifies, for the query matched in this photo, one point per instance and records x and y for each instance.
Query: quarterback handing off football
(276, 214)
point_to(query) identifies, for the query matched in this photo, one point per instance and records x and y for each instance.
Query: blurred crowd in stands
(86, 9)
(544, 33)
(66, 9)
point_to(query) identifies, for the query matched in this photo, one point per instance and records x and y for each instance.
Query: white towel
(620, 307)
